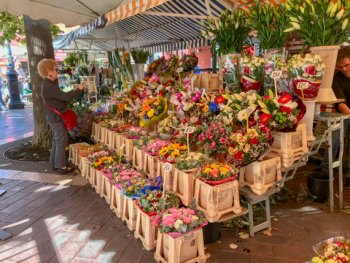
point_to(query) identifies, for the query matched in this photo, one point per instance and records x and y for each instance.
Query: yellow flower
(150, 113)
(163, 151)
(231, 150)
(206, 108)
(207, 170)
(175, 154)
(183, 147)
(214, 166)
(130, 188)
(175, 145)
(223, 170)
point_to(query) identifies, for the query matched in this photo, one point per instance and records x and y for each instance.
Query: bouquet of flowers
(187, 63)
(154, 202)
(213, 138)
(333, 250)
(141, 142)
(309, 69)
(282, 113)
(153, 147)
(190, 161)
(252, 73)
(247, 145)
(171, 152)
(177, 221)
(218, 173)
(134, 132)
(169, 126)
(168, 67)
(154, 66)
(152, 109)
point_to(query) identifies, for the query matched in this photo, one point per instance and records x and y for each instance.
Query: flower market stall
(172, 155)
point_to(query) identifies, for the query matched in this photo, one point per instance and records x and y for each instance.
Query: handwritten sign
(189, 130)
(277, 74)
(120, 122)
(302, 85)
(167, 167)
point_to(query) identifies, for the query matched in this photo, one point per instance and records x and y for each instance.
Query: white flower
(242, 115)
(178, 224)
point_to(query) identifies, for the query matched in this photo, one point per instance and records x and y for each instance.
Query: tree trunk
(39, 46)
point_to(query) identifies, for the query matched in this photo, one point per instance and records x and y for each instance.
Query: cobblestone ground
(52, 223)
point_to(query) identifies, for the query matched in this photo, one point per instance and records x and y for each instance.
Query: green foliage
(229, 32)
(270, 22)
(10, 26)
(74, 59)
(140, 56)
(319, 22)
(55, 30)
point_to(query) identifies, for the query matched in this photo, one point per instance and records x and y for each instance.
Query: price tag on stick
(188, 131)
(302, 86)
(167, 167)
(276, 75)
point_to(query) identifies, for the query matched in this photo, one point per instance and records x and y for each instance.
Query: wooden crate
(116, 140)
(109, 138)
(145, 231)
(211, 82)
(103, 135)
(261, 175)
(150, 165)
(183, 185)
(218, 201)
(106, 188)
(137, 159)
(95, 133)
(188, 248)
(129, 213)
(117, 201)
(129, 146)
(85, 167)
(168, 176)
(95, 179)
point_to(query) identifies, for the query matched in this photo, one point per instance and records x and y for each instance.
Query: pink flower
(156, 220)
(223, 140)
(187, 220)
(168, 221)
(176, 215)
(201, 137)
(189, 211)
(213, 144)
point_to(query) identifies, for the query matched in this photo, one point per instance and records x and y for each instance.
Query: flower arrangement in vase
(217, 173)
(307, 68)
(190, 161)
(157, 201)
(177, 221)
(153, 147)
(252, 69)
(171, 152)
(247, 145)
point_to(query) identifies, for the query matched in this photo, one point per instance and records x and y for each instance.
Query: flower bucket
(183, 185)
(145, 231)
(218, 202)
(229, 65)
(311, 92)
(188, 247)
(117, 201)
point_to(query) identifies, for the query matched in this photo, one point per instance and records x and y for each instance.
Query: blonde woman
(53, 96)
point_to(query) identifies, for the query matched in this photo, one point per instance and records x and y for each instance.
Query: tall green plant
(140, 56)
(270, 22)
(229, 31)
(319, 22)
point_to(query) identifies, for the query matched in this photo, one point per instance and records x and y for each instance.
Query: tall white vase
(139, 71)
(308, 119)
(329, 56)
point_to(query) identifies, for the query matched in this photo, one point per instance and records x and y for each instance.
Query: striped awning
(159, 25)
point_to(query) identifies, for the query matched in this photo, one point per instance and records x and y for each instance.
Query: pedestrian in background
(2, 103)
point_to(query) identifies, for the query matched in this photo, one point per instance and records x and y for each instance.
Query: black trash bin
(318, 184)
(211, 233)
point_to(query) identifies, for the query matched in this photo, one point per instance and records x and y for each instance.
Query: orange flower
(146, 107)
(214, 172)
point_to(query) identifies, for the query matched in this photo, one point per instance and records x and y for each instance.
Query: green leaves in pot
(140, 56)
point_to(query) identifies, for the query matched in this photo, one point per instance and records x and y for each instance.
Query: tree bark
(39, 46)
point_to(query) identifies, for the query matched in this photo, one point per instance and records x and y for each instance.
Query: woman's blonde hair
(45, 65)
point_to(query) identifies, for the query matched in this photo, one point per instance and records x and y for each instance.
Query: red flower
(239, 156)
(161, 93)
(267, 97)
(246, 70)
(264, 118)
(254, 141)
(311, 70)
(285, 109)
(219, 100)
(285, 98)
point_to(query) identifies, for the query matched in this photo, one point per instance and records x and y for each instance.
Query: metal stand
(334, 122)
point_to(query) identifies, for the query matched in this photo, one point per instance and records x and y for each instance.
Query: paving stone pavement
(59, 223)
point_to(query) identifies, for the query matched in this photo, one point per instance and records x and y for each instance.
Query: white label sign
(302, 85)
(277, 74)
(189, 130)
(167, 167)
(122, 146)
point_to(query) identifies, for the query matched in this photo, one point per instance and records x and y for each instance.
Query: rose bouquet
(282, 113)
(246, 146)
(213, 138)
(334, 250)
(309, 69)
(134, 132)
(252, 69)
(218, 173)
(153, 147)
(190, 161)
(169, 126)
(177, 221)
(154, 202)
(152, 109)
(141, 142)
(171, 152)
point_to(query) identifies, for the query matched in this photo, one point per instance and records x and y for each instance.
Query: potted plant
(228, 34)
(322, 25)
(217, 173)
(140, 58)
